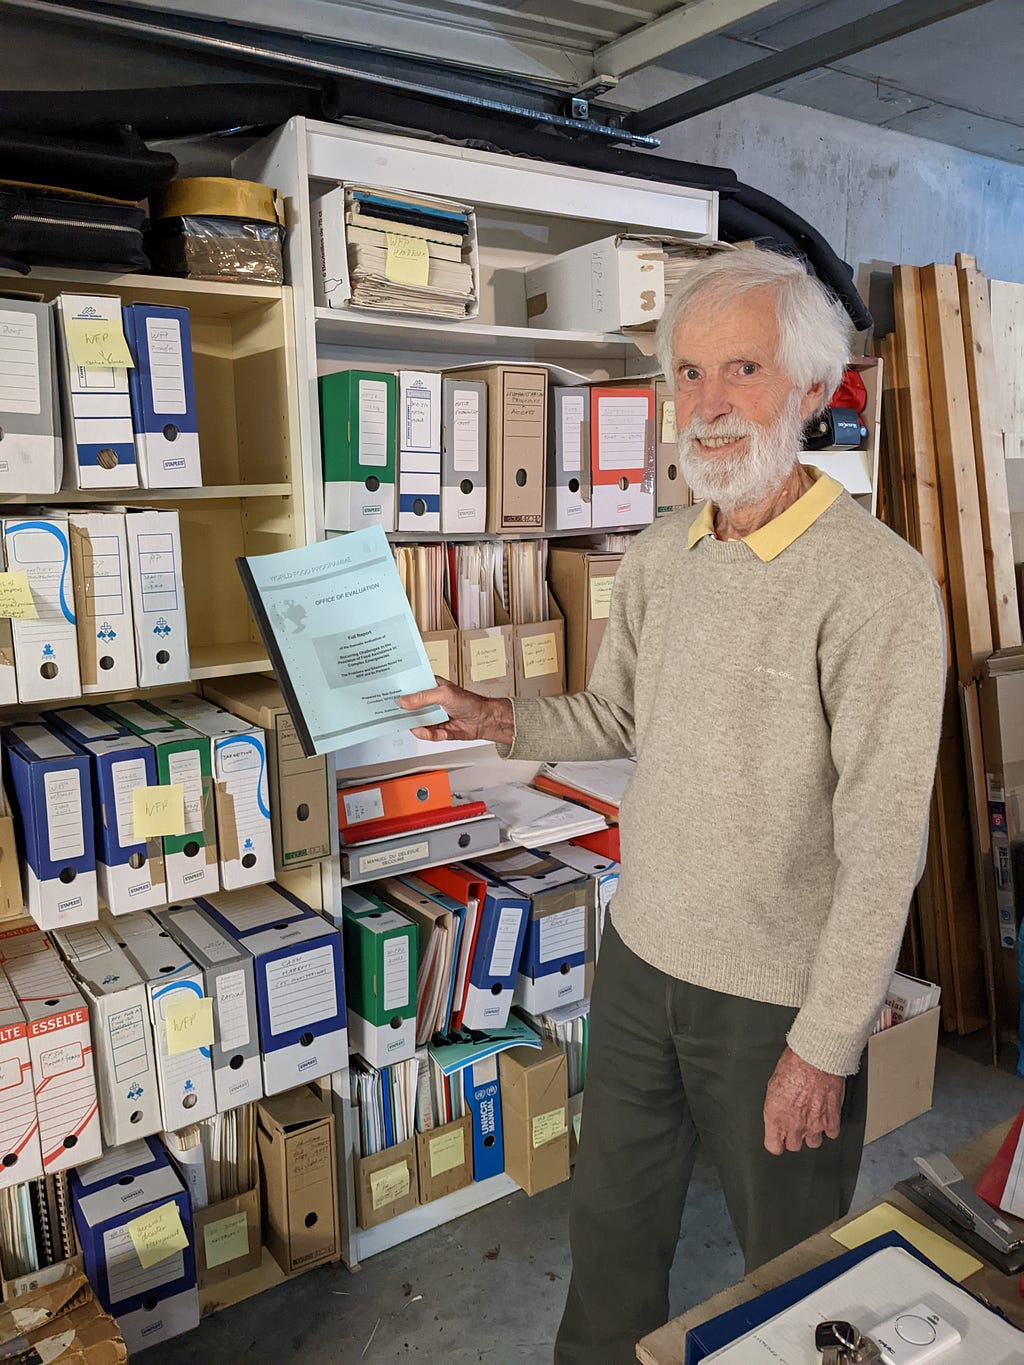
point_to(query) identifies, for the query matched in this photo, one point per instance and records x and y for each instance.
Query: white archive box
(45, 649)
(103, 601)
(419, 451)
(175, 989)
(99, 445)
(230, 982)
(31, 453)
(158, 595)
(60, 1046)
(122, 1036)
(20, 1157)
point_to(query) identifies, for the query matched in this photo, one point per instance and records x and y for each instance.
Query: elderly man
(775, 659)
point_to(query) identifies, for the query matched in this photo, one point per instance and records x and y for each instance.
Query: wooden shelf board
(211, 297)
(226, 661)
(84, 497)
(427, 1216)
(576, 533)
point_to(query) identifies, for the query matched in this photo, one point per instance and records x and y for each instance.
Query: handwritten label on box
(158, 810)
(547, 1127)
(188, 1023)
(16, 601)
(408, 260)
(226, 1240)
(540, 655)
(97, 344)
(601, 597)
(447, 1152)
(487, 658)
(438, 657)
(389, 1185)
(157, 1234)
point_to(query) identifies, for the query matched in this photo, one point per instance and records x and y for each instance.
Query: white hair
(814, 334)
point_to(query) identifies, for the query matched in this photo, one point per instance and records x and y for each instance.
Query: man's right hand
(470, 715)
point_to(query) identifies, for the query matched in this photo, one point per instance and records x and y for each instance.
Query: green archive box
(358, 434)
(380, 980)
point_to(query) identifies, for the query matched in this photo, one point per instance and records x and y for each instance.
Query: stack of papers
(569, 1027)
(421, 569)
(410, 254)
(532, 819)
(387, 1103)
(606, 779)
(528, 587)
(476, 573)
(907, 997)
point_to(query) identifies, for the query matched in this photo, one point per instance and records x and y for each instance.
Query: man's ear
(812, 401)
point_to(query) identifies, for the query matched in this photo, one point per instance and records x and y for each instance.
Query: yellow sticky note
(447, 1151)
(226, 1240)
(487, 658)
(547, 1127)
(408, 260)
(540, 655)
(668, 423)
(188, 1022)
(389, 1184)
(956, 1262)
(157, 1234)
(601, 597)
(16, 600)
(438, 657)
(97, 343)
(158, 810)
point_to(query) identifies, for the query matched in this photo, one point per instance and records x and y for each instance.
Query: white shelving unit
(526, 212)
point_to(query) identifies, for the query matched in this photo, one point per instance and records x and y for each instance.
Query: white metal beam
(691, 21)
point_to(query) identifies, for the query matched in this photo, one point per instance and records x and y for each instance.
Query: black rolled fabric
(121, 168)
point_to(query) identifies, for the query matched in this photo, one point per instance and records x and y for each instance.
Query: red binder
(462, 886)
(603, 842)
(405, 824)
(991, 1185)
(553, 788)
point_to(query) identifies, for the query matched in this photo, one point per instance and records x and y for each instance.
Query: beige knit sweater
(785, 717)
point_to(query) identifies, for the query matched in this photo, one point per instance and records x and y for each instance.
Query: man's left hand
(802, 1105)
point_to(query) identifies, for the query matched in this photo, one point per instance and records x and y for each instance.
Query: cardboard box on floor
(228, 1238)
(901, 1073)
(387, 1184)
(534, 1116)
(298, 1179)
(444, 1158)
(60, 1319)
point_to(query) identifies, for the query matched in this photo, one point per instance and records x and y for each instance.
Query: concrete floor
(489, 1287)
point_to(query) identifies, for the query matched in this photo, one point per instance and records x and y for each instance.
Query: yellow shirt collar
(770, 540)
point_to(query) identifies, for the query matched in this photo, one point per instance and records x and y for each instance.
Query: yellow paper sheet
(540, 655)
(487, 658)
(157, 1234)
(158, 810)
(547, 1127)
(956, 1262)
(408, 260)
(601, 597)
(16, 602)
(447, 1151)
(226, 1240)
(438, 657)
(97, 344)
(668, 423)
(189, 1022)
(389, 1185)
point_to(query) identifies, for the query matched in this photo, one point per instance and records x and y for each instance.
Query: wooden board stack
(944, 490)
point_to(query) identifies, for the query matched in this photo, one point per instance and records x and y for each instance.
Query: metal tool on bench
(966, 1207)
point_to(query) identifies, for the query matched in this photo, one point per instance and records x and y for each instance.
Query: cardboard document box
(130, 870)
(151, 1303)
(381, 957)
(300, 982)
(99, 447)
(12, 904)
(45, 649)
(581, 581)
(20, 1156)
(301, 789)
(229, 1239)
(229, 980)
(444, 1159)
(163, 396)
(539, 655)
(60, 1047)
(298, 1179)
(602, 882)
(488, 656)
(464, 456)
(622, 455)
(387, 1184)
(517, 416)
(183, 757)
(419, 451)
(901, 1073)
(103, 601)
(443, 648)
(52, 803)
(122, 1036)
(241, 792)
(158, 596)
(568, 473)
(603, 286)
(358, 430)
(534, 1115)
(31, 451)
(671, 491)
(182, 1022)
(551, 967)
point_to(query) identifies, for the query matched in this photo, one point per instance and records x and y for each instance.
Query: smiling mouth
(718, 442)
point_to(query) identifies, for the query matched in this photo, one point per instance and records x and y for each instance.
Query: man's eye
(691, 374)
(748, 368)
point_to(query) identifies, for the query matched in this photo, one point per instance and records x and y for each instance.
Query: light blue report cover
(342, 638)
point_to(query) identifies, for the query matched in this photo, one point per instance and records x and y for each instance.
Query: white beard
(734, 481)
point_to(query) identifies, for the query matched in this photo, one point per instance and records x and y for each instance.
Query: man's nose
(713, 400)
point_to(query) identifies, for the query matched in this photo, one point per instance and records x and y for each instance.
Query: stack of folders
(615, 542)
(527, 575)
(532, 818)
(36, 1227)
(907, 997)
(409, 254)
(440, 1099)
(600, 785)
(217, 1157)
(476, 575)
(422, 570)
(386, 1098)
(568, 1027)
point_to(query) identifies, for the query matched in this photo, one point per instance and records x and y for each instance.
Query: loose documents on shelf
(339, 630)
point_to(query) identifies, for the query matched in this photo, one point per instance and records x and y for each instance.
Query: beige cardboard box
(671, 491)
(444, 1158)
(581, 581)
(517, 422)
(12, 905)
(387, 1184)
(298, 1179)
(301, 796)
(901, 1073)
(443, 648)
(539, 650)
(535, 1116)
(228, 1237)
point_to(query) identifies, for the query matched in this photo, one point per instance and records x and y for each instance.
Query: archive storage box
(901, 1073)
(298, 1179)
(444, 1159)
(534, 1116)
(229, 1238)
(387, 1184)
(581, 581)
